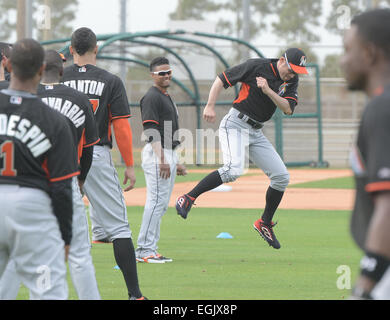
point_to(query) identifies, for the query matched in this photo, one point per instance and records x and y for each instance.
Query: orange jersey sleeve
(124, 139)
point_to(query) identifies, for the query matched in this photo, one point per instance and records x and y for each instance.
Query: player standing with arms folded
(366, 64)
(37, 163)
(102, 188)
(267, 84)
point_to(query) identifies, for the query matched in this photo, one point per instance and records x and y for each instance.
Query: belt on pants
(254, 124)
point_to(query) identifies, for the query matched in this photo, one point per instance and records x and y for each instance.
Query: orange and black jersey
(370, 161)
(251, 100)
(106, 93)
(77, 108)
(159, 112)
(36, 142)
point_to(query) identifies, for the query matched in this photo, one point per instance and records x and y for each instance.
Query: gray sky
(102, 16)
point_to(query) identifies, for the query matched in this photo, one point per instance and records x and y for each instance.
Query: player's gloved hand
(165, 171)
(129, 176)
(181, 170)
(209, 114)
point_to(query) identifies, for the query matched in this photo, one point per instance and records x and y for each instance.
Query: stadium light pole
(123, 29)
(21, 19)
(28, 23)
(246, 26)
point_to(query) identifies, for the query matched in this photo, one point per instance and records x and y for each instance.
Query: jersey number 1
(7, 153)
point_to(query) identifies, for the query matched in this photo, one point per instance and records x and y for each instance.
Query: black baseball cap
(296, 60)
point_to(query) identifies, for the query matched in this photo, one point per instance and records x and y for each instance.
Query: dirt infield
(249, 192)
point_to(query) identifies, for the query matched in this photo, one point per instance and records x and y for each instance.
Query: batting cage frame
(193, 93)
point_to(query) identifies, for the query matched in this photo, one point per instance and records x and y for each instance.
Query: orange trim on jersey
(244, 93)
(45, 168)
(227, 80)
(121, 117)
(273, 69)
(378, 186)
(291, 98)
(124, 140)
(154, 121)
(109, 123)
(80, 146)
(68, 176)
(379, 91)
(92, 144)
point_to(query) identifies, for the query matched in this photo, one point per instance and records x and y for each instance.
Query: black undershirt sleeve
(151, 132)
(62, 202)
(85, 162)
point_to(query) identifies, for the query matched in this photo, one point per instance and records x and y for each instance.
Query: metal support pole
(123, 28)
(21, 19)
(245, 26)
(29, 12)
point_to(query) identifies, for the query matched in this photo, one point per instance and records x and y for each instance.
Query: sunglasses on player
(163, 73)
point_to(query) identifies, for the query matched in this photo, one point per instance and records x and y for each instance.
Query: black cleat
(266, 232)
(183, 205)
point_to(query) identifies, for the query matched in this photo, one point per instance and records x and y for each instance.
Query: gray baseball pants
(31, 238)
(239, 142)
(81, 266)
(157, 199)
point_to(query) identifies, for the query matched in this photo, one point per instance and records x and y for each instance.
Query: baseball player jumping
(102, 188)
(267, 84)
(37, 163)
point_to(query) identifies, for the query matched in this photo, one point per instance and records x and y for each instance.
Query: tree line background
(294, 22)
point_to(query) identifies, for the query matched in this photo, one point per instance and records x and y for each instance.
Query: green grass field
(334, 183)
(314, 245)
(140, 183)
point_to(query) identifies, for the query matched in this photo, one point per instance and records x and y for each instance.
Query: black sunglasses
(163, 73)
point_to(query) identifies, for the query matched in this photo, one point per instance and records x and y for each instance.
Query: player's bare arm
(209, 112)
(165, 170)
(280, 102)
(129, 176)
(181, 170)
(378, 236)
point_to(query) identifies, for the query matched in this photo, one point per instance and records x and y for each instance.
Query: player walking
(366, 63)
(102, 188)
(267, 84)
(37, 162)
(76, 107)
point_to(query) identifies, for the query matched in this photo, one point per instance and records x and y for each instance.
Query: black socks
(209, 182)
(272, 198)
(125, 258)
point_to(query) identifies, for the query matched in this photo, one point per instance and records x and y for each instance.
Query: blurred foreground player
(366, 64)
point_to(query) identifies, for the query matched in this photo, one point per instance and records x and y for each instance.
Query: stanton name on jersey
(91, 87)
